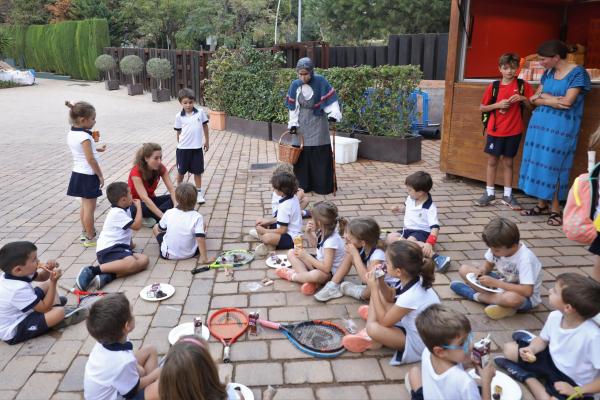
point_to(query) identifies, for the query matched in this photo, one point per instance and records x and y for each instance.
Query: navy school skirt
(85, 186)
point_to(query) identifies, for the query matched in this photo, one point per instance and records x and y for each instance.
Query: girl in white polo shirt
(86, 178)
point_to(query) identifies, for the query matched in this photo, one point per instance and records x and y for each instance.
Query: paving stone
(8, 394)
(249, 351)
(288, 314)
(73, 380)
(141, 327)
(395, 373)
(307, 372)
(197, 305)
(201, 286)
(294, 394)
(17, 371)
(60, 356)
(7, 352)
(229, 301)
(260, 374)
(267, 299)
(342, 392)
(158, 337)
(67, 396)
(39, 386)
(225, 288)
(36, 347)
(357, 370)
(387, 392)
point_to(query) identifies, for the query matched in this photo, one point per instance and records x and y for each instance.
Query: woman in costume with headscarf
(312, 104)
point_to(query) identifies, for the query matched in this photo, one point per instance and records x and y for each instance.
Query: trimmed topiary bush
(105, 63)
(159, 69)
(131, 65)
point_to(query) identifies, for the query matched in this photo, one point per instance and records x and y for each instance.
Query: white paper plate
(473, 279)
(510, 389)
(284, 262)
(165, 287)
(187, 328)
(246, 392)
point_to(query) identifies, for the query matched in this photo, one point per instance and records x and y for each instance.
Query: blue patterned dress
(552, 138)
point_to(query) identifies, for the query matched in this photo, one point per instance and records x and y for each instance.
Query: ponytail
(342, 225)
(427, 273)
(408, 256)
(81, 109)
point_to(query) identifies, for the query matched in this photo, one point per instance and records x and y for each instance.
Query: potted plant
(132, 65)
(159, 69)
(106, 63)
(213, 90)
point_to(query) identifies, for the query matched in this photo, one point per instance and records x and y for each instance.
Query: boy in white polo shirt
(421, 222)
(190, 123)
(26, 311)
(563, 362)
(448, 345)
(114, 371)
(114, 249)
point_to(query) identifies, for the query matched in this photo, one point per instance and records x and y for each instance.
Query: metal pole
(276, 20)
(299, 20)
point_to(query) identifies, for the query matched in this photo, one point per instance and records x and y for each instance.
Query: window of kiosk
(490, 28)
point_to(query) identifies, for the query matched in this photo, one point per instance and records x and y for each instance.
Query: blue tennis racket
(317, 338)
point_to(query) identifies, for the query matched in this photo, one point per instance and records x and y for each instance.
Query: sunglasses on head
(465, 346)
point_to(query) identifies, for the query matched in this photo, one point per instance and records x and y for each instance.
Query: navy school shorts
(190, 160)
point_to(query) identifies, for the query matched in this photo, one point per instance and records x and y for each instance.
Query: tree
(122, 29)
(28, 12)
(59, 10)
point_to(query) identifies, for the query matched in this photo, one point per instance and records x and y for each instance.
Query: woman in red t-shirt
(143, 180)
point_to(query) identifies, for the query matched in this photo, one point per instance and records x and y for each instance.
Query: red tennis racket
(227, 325)
(84, 299)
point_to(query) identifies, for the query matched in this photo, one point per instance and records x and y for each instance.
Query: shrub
(159, 69)
(105, 63)
(131, 65)
(5, 42)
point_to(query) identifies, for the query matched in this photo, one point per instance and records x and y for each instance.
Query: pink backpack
(578, 216)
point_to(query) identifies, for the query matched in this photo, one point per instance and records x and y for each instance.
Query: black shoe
(522, 336)
(513, 369)
(63, 300)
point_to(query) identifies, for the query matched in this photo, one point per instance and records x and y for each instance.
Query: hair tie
(192, 340)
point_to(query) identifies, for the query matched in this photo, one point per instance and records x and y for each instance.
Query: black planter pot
(133, 89)
(160, 95)
(255, 129)
(381, 148)
(111, 85)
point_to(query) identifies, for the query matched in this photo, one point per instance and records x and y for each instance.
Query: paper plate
(246, 392)
(473, 279)
(510, 389)
(187, 328)
(165, 287)
(282, 258)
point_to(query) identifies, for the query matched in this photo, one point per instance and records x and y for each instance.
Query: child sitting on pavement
(289, 217)
(113, 369)
(180, 231)
(519, 273)
(363, 250)
(421, 222)
(115, 246)
(323, 232)
(392, 324)
(26, 311)
(566, 354)
(449, 342)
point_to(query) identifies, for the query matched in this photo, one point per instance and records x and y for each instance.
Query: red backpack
(578, 217)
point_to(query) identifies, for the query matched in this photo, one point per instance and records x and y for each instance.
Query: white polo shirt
(110, 372)
(182, 228)
(335, 242)
(116, 229)
(275, 203)
(190, 126)
(454, 383)
(422, 217)
(75, 138)
(289, 214)
(17, 299)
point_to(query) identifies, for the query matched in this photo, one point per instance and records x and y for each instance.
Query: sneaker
(407, 384)
(306, 214)
(148, 222)
(330, 291)
(308, 288)
(512, 202)
(286, 273)
(262, 250)
(357, 343)
(200, 198)
(513, 369)
(522, 336)
(462, 289)
(252, 232)
(442, 263)
(62, 300)
(73, 315)
(485, 200)
(83, 236)
(363, 311)
(100, 281)
(353, 290)
(84, 278)
(89, 242)
(498, 312)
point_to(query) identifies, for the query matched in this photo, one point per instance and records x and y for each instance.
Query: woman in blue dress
(553, 131)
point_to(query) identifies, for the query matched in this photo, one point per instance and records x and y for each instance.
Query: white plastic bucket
(346, 149)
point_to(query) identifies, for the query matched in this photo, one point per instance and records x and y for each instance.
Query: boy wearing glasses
(448, 344)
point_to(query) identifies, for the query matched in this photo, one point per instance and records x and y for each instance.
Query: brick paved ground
(35, 170)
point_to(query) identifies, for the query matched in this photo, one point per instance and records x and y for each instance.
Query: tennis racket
(228, 259)
(227, 325)
(84, 299)
(317, 338)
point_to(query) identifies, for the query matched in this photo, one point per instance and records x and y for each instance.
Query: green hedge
(67, 48)
(249, 84)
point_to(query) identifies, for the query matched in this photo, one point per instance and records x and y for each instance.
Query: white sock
(507, 191)
(476, 297)
(490, 190)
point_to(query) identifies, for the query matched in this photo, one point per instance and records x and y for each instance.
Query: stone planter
(160, 95)
(133, 89)
(216, 120)
(392, 149)
(277, 130)
(246, 127)
(111, 85)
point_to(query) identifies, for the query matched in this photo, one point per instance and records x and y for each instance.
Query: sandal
(536, 210)
(555, 219)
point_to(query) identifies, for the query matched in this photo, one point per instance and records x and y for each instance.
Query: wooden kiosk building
(480, 31)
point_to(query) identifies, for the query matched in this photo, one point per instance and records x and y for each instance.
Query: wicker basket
(289, 153)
